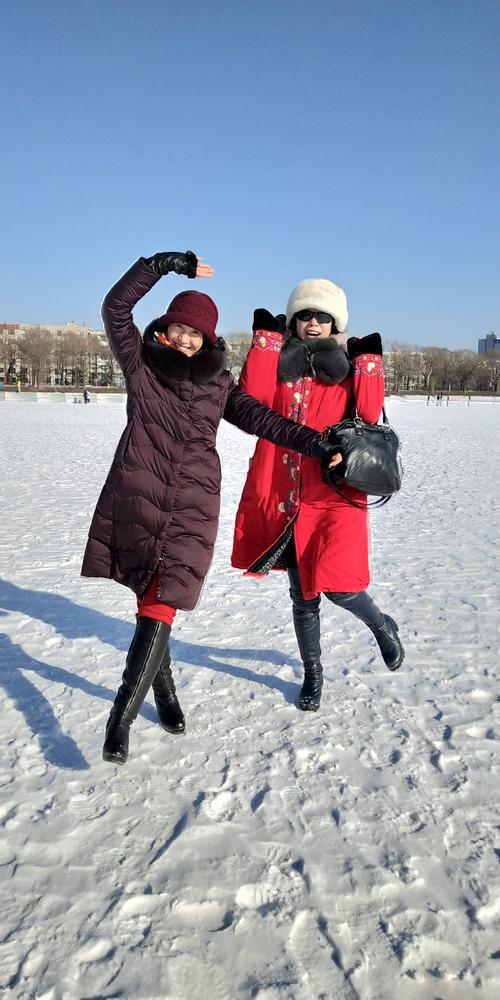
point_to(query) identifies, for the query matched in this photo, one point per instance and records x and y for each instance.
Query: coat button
(281, 507)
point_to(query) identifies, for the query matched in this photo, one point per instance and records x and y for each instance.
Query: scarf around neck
(323, 360)
(169, 365)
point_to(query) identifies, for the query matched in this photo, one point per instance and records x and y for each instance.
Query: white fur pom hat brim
(320, 294)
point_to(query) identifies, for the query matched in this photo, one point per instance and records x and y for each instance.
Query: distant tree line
(238, 346)
(416, 369)
(40, 358)
(436, 369)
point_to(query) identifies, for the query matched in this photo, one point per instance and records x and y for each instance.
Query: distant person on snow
(304, 366)
(156, 519)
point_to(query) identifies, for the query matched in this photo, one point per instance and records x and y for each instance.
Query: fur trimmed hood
(322, 359)
(167, 363)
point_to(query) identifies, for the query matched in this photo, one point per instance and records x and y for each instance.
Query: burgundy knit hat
(194, 309)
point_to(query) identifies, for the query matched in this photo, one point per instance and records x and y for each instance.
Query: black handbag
(371, 460)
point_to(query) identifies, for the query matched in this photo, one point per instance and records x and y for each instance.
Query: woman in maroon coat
(156, 519)
(289, 517)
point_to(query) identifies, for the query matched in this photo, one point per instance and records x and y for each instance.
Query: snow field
(269, 854)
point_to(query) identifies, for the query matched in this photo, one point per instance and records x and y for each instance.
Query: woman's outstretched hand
(187, 264)
(204, 270)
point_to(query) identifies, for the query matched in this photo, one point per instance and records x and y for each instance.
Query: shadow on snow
(75, 621)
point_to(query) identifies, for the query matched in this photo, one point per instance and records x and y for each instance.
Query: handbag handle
(384, 414)
(379, 502)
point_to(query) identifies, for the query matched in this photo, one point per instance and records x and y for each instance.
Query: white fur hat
(321, 294)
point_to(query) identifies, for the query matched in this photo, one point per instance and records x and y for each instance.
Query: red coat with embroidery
(331, 536)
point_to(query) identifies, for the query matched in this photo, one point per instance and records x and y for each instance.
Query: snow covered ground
(269, 854)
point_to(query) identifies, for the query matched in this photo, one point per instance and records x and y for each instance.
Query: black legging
(360, 604)
(306, 615)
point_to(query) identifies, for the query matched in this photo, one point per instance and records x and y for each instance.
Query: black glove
(323, 450)
(371, 344)
(264, 320)
(172, 260)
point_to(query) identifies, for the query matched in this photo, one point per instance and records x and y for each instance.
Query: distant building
(489, 343)
(84, 366)
(18, 330)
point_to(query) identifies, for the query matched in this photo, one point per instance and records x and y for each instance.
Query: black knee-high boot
(144, 657)
(307, 629)
(383, 627)
(169, 711)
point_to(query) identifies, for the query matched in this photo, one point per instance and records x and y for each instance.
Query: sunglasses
(306, 314)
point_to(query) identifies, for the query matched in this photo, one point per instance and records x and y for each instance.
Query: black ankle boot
(310, 693)
(390, 644)
(143, 661)
(169, 711)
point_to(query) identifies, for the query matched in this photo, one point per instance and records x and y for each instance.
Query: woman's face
(313, 325)
(185, 338)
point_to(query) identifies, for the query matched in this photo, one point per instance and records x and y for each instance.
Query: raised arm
(258, 375)
(368, 370)
(124, 337)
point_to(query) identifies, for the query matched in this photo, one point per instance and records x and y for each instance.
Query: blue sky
(350, 139)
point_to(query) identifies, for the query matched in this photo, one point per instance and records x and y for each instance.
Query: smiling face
(312, 325)
(184, 338)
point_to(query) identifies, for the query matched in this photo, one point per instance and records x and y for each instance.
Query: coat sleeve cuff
(267, 340)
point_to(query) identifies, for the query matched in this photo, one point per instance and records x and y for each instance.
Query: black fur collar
(322, 359)
(170, 365)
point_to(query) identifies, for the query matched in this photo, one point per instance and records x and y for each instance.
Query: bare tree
(93, 348)
(106, 355)
(466, 365)
(36, 349)
(491, 364)
(8, 356)
(238, 346)
(79, 359)
(399, 345)
(436, 368)
(403, 368)
(62, 355)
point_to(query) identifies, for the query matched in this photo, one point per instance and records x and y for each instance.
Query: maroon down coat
(159, 507)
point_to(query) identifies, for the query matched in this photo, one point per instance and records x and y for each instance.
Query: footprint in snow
(87, 804)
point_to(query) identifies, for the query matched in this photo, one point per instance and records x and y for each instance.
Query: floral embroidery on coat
(369, 364)
(297, 411)
(266, 340)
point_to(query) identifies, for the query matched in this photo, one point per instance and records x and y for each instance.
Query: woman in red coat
(288, 517)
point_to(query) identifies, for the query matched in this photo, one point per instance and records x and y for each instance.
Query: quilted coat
(283, 489)
(159, 507)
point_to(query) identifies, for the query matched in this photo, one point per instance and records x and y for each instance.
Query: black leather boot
(383, 627)
(307, 629)
(310, 693)
(167, 705)
(389, 643)
(144, 657)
